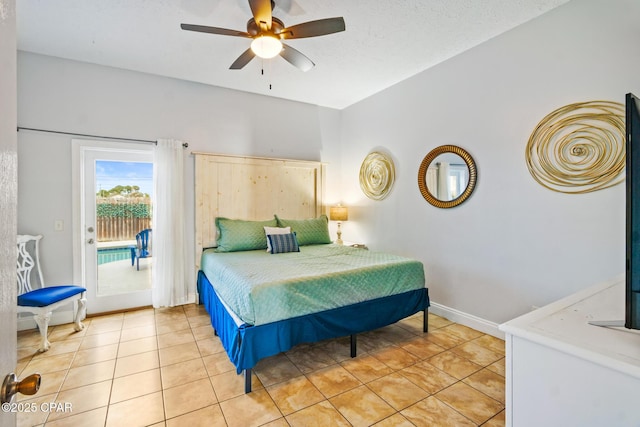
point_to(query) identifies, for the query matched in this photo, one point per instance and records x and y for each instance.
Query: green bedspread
(262, 288)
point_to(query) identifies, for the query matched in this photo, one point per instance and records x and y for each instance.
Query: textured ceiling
(385, 41)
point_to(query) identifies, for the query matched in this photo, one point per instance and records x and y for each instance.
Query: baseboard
(466, 319)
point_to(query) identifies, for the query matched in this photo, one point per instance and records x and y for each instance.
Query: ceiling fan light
(266, 46)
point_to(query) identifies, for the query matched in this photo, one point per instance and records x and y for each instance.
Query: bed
(272, 281)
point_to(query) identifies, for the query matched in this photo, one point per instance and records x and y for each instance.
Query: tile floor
(166, 368)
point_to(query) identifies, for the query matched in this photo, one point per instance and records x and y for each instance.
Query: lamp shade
(338, 213)
(266, 46)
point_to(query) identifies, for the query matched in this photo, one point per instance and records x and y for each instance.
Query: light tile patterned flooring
(166, 368)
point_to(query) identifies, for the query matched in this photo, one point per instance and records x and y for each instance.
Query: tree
(122, 190)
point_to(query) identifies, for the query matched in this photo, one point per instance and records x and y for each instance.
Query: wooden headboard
(253, 188)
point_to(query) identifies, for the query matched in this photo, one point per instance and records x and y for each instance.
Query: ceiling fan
(267, 33)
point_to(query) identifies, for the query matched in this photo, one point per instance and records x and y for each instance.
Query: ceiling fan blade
(214, 30)
(320, 27)
(296, 58)
(243, 60)
(261, 10)
(290, 7)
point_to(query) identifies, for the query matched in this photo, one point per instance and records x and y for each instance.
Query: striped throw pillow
(281, 243)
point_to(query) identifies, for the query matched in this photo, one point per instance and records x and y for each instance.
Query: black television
(632, 273)
(632, 266)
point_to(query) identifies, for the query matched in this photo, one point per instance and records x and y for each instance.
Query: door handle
(90, 241)
(11, 386)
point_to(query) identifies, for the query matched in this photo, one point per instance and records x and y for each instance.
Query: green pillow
(240, 235)
(313, 231)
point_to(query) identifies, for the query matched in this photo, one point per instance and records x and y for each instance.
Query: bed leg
(353, 345)
(425, 321)
(247, 380)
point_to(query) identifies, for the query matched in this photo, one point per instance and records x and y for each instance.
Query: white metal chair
(42, 301)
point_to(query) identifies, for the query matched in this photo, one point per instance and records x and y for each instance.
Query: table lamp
(339, 213)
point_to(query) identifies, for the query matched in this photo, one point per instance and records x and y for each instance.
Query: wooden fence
(121, 219)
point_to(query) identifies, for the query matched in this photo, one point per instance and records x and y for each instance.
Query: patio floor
(120, 277)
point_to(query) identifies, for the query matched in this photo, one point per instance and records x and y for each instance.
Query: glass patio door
(116, 193)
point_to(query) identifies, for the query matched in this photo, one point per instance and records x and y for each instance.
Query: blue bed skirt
(247, 344)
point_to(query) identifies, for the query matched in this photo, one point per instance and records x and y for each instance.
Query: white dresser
(562, 371)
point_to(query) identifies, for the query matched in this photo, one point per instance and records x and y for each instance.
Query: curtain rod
(148, 141)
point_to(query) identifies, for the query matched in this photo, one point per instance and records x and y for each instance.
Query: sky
(112, 173)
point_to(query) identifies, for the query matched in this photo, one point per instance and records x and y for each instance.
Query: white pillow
(275, 230)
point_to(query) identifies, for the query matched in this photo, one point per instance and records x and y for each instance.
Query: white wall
(513, 244)
(70, 96)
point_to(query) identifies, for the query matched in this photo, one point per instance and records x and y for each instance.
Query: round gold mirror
(447, 176)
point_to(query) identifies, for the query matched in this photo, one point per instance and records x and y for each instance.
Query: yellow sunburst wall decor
(579, 148)
(377, 175)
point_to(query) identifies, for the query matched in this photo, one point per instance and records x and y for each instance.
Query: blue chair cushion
(49, 295)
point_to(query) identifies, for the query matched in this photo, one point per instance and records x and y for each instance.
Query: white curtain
(432, 180)
(169, 273)
(444, 191)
